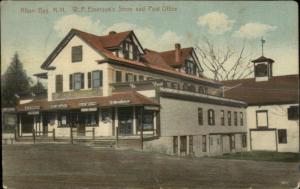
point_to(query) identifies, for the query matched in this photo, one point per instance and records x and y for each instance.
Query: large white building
(273, 107)
(112, 85)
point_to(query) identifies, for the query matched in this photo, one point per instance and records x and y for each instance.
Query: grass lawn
(263, 156)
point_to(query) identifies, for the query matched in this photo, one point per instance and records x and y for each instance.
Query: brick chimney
(177, 52)
(112, 32)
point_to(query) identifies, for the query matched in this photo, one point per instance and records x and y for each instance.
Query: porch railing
(37, 133)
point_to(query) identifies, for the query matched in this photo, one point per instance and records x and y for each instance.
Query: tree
(14, 81)
(38, 88)
(225, 64)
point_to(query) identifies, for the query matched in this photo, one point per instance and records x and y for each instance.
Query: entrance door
(225, 144)
(183, 145)
(27, 123)
(125, 116)
(81, 125)
(45, 123)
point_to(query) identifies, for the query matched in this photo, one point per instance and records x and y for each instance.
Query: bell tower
(263, 65)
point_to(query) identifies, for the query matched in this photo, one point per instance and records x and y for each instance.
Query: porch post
(154, 123)
(116, 126)
(179, 146)
(134, 120)
(142, 128)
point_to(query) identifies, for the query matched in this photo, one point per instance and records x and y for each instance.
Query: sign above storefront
(115, 102)
(88, 109)
(33, 113)
(85, 104)
(8, 109)
(58, 106)
(154, 108)
(32, 107)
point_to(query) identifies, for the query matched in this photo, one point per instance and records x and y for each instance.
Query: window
(118, 76)
(241, 119)
(148, 117)
(262, 118)
(105, 115)
(244, 141)
(78, 81)
(204, 149)
(293, 113)
(77, 54)
(59, 83)
(222, 118)
(141, 77)
(129, 77)
(175, 144)
(235, 118)
(191, 150)
(62, 119)
(97, 79)
(261, 70)
(232, 142)
(200, 116)
(91, 118)
(190, 67)
(229, 118)
(211, 117)
(282, 136)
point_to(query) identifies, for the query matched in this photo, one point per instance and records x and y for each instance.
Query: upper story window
(293, 113)
(76, 53)
(241, 119)
(59, 83)
(190, 67)
(200, 116)
(97, 79)
(118, 76)
(78, 81)
(262, 118)
(211, 117)
(222, 118)
(235, 118)
(282, 136)
(229, 118)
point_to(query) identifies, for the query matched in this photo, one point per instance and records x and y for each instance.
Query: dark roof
(277, 90)
(263, 59)
(169, 56)
(96, 43)
(103, 101)
(114, 40)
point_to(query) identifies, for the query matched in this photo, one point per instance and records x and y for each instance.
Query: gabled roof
(114, 40)
(153, 61)
(169, 56)
(263, 59)
(277, 90)
(133, 98)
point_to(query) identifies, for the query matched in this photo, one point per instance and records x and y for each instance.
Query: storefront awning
(128, 98)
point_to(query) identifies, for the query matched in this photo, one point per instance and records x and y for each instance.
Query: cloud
(63, 25)
(217, 23)
(253, 30)
(147, 36)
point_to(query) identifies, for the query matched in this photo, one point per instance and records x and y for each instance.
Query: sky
(34, 29)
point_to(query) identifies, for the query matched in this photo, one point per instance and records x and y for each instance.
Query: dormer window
(77, 54)
(190, 67)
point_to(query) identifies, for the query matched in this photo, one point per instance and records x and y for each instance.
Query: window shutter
(89, 79)
(82, 80)
(101, 78)
(71, 81)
